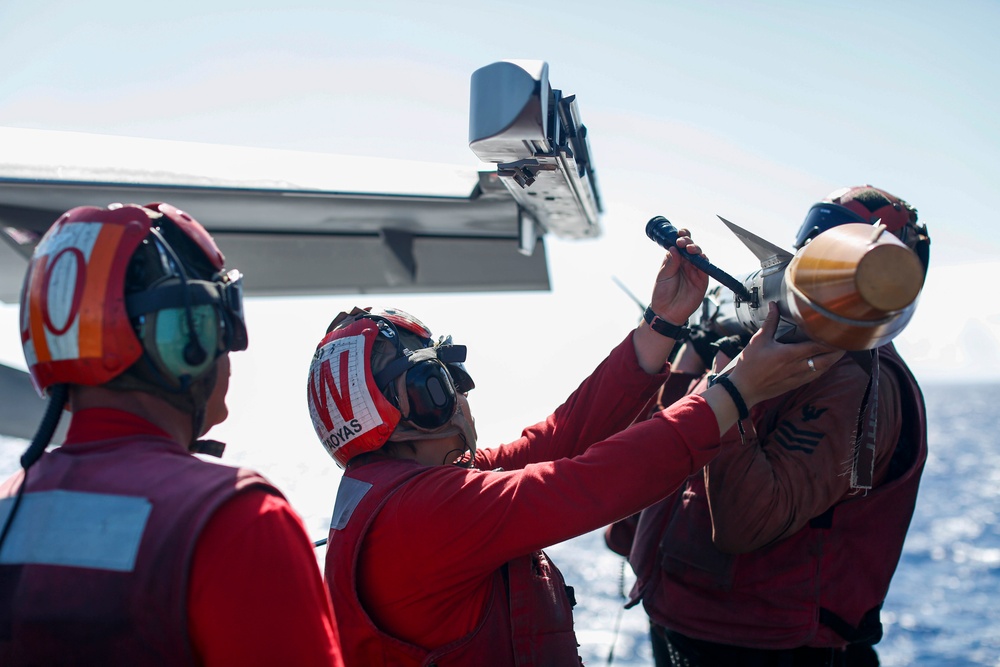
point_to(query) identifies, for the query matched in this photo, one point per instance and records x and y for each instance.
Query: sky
(749, 110)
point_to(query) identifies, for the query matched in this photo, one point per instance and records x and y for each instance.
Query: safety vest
(95, 568)
(822, 586)
(528, 620)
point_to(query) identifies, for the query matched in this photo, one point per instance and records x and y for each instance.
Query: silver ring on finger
(811, 364)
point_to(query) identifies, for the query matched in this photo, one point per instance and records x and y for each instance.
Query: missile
(854, 287)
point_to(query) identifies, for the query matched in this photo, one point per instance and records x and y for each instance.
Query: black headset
(179, 291)
(434, 378)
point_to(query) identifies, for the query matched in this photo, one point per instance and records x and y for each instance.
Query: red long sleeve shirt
(256, 595)
(426, 564)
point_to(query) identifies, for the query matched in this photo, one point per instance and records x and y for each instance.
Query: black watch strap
(664, 328)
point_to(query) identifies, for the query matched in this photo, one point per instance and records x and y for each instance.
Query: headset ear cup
(173, 350)
(431, 394)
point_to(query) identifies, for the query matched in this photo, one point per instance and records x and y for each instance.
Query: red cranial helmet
(376, 369)
(108, 286)
(866, 204)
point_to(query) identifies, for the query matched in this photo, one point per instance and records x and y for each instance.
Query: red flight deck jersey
(430, 556)
(250, 592)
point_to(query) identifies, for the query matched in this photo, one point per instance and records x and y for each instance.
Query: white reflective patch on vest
(349, 494)
(75, 529)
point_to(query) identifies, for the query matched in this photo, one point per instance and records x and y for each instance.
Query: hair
(872, 199)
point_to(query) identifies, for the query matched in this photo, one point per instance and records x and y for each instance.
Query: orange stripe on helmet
(95, 297)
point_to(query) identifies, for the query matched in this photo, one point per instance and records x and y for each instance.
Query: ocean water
(942, 609)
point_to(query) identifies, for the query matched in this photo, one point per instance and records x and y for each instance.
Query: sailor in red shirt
(435, 546)
(120, 547)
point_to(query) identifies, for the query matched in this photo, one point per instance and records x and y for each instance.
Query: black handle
(660, 230)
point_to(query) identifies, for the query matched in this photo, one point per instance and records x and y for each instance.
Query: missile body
(854, 287)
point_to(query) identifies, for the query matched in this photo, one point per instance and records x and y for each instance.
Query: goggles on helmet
(403, 320)
(434, 374)
(230, 286)
(824, 216)
(224, 293)
(456, 368)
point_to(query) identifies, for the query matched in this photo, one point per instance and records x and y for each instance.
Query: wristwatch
(664, 328)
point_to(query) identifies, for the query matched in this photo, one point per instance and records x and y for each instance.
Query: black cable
(621, 611)
(13, 510)
(58, 396)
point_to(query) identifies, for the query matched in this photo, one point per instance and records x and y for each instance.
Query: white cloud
(955, 334)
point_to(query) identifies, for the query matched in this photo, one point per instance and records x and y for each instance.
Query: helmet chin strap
(201, 392)
(463, 428)
(460, 461)
(467, 433)
(466, 455)
(203, 446)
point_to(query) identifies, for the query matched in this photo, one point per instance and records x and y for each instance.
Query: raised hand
(680, 286)
(677, 292)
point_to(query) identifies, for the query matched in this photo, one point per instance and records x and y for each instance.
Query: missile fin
(768, 253)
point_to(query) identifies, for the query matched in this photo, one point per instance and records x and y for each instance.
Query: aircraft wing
(293, 222)
(300, 223)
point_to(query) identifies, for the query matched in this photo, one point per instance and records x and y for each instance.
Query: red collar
(108, 423)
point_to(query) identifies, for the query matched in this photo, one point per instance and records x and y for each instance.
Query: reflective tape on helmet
(349, 413)
(74, 328)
